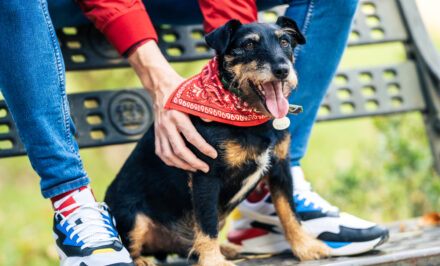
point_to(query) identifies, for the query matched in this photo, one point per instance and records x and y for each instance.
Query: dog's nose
(281, 71)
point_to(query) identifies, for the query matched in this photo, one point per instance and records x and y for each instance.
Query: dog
(162, 210)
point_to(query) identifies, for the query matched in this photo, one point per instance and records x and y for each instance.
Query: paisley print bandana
(204, 96)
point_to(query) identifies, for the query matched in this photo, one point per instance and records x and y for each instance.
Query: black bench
(114, 117)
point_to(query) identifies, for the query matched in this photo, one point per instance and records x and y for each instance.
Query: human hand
(161, 80)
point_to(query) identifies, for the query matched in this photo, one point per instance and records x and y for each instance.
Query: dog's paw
(230, 251)
(311, 249)
(143, 262)
(306, 247)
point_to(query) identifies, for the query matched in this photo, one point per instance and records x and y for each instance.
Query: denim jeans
(32, 74)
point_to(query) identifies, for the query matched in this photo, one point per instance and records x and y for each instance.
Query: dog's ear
(220, 38)
(290, 24)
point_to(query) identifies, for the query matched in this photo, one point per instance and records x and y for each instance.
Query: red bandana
(204, 96)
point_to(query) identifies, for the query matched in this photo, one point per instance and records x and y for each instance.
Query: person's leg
(32, 82)
(35, 89)
(326, 26)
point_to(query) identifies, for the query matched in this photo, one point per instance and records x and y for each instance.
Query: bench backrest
(125, 114)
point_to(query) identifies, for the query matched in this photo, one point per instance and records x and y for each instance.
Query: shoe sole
(276, 244)
(267, 244)
(66, 261)
(355, 248)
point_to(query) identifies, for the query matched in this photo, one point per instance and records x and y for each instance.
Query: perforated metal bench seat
(113, 117)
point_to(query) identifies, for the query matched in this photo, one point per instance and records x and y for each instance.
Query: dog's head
(256, 61)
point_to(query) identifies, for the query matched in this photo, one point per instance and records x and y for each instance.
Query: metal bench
(122, 116)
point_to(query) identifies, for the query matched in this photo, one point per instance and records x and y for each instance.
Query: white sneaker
(87, 236)
(257, 229)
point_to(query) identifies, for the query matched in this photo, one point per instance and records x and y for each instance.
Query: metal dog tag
(281, 123)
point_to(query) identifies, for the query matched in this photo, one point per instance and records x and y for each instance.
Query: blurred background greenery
(377, 168)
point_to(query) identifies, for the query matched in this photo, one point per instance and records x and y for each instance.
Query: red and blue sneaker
(256, 227)
(85, 232)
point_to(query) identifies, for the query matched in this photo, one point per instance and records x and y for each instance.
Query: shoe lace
(93, 229)
(303, 191)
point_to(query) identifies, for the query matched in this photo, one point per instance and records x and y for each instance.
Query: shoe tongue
(300, 183)
(83, 215)
(303, 188)
(84, 196)
(276, 103)
(77, 197)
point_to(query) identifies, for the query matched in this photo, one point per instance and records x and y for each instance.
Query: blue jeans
(32, 74)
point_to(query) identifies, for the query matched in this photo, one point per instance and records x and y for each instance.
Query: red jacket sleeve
(218, 12)
(124, 22)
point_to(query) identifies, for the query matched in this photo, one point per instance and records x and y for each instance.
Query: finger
(170, 157)
(181, 151)
(206, 120)
(159, 143)
(192, 136)
(159, 150)
(157, 146)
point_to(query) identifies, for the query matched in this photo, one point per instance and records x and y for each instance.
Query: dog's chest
(249, 182)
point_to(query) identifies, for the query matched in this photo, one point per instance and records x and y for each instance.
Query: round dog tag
(281, 123)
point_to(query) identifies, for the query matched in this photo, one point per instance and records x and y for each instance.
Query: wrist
(134, 47)
(154, 71)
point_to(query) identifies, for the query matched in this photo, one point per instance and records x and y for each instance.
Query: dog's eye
(249, 45)
(284, 43)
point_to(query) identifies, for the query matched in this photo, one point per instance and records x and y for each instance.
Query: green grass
(377, 168)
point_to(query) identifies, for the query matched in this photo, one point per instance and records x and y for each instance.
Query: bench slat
(373, 91)
(101, 118)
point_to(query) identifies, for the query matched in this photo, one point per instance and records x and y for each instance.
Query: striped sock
(80, 195)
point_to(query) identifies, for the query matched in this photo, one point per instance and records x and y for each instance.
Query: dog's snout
(281, 71)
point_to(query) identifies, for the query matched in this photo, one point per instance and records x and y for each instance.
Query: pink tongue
(277, 105)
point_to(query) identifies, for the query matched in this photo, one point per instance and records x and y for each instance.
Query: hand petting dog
(160, 79)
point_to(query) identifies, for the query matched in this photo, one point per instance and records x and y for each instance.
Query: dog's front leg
(206, 191)
(280, 184)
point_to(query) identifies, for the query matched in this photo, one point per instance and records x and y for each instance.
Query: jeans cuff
(65, 187)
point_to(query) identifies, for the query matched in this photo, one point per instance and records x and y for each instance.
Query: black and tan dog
(161, 210)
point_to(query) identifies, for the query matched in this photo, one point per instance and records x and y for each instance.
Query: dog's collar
(204, 96)
(233, 89)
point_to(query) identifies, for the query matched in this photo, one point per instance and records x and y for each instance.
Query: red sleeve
(218, 12)
(124, 22)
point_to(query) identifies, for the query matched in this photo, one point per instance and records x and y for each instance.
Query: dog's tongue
(276, 103)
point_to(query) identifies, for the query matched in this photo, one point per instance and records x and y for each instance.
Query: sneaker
(87, 236)
(256, 227)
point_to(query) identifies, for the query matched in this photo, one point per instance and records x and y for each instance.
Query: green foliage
(407, 165)
(392, 178)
